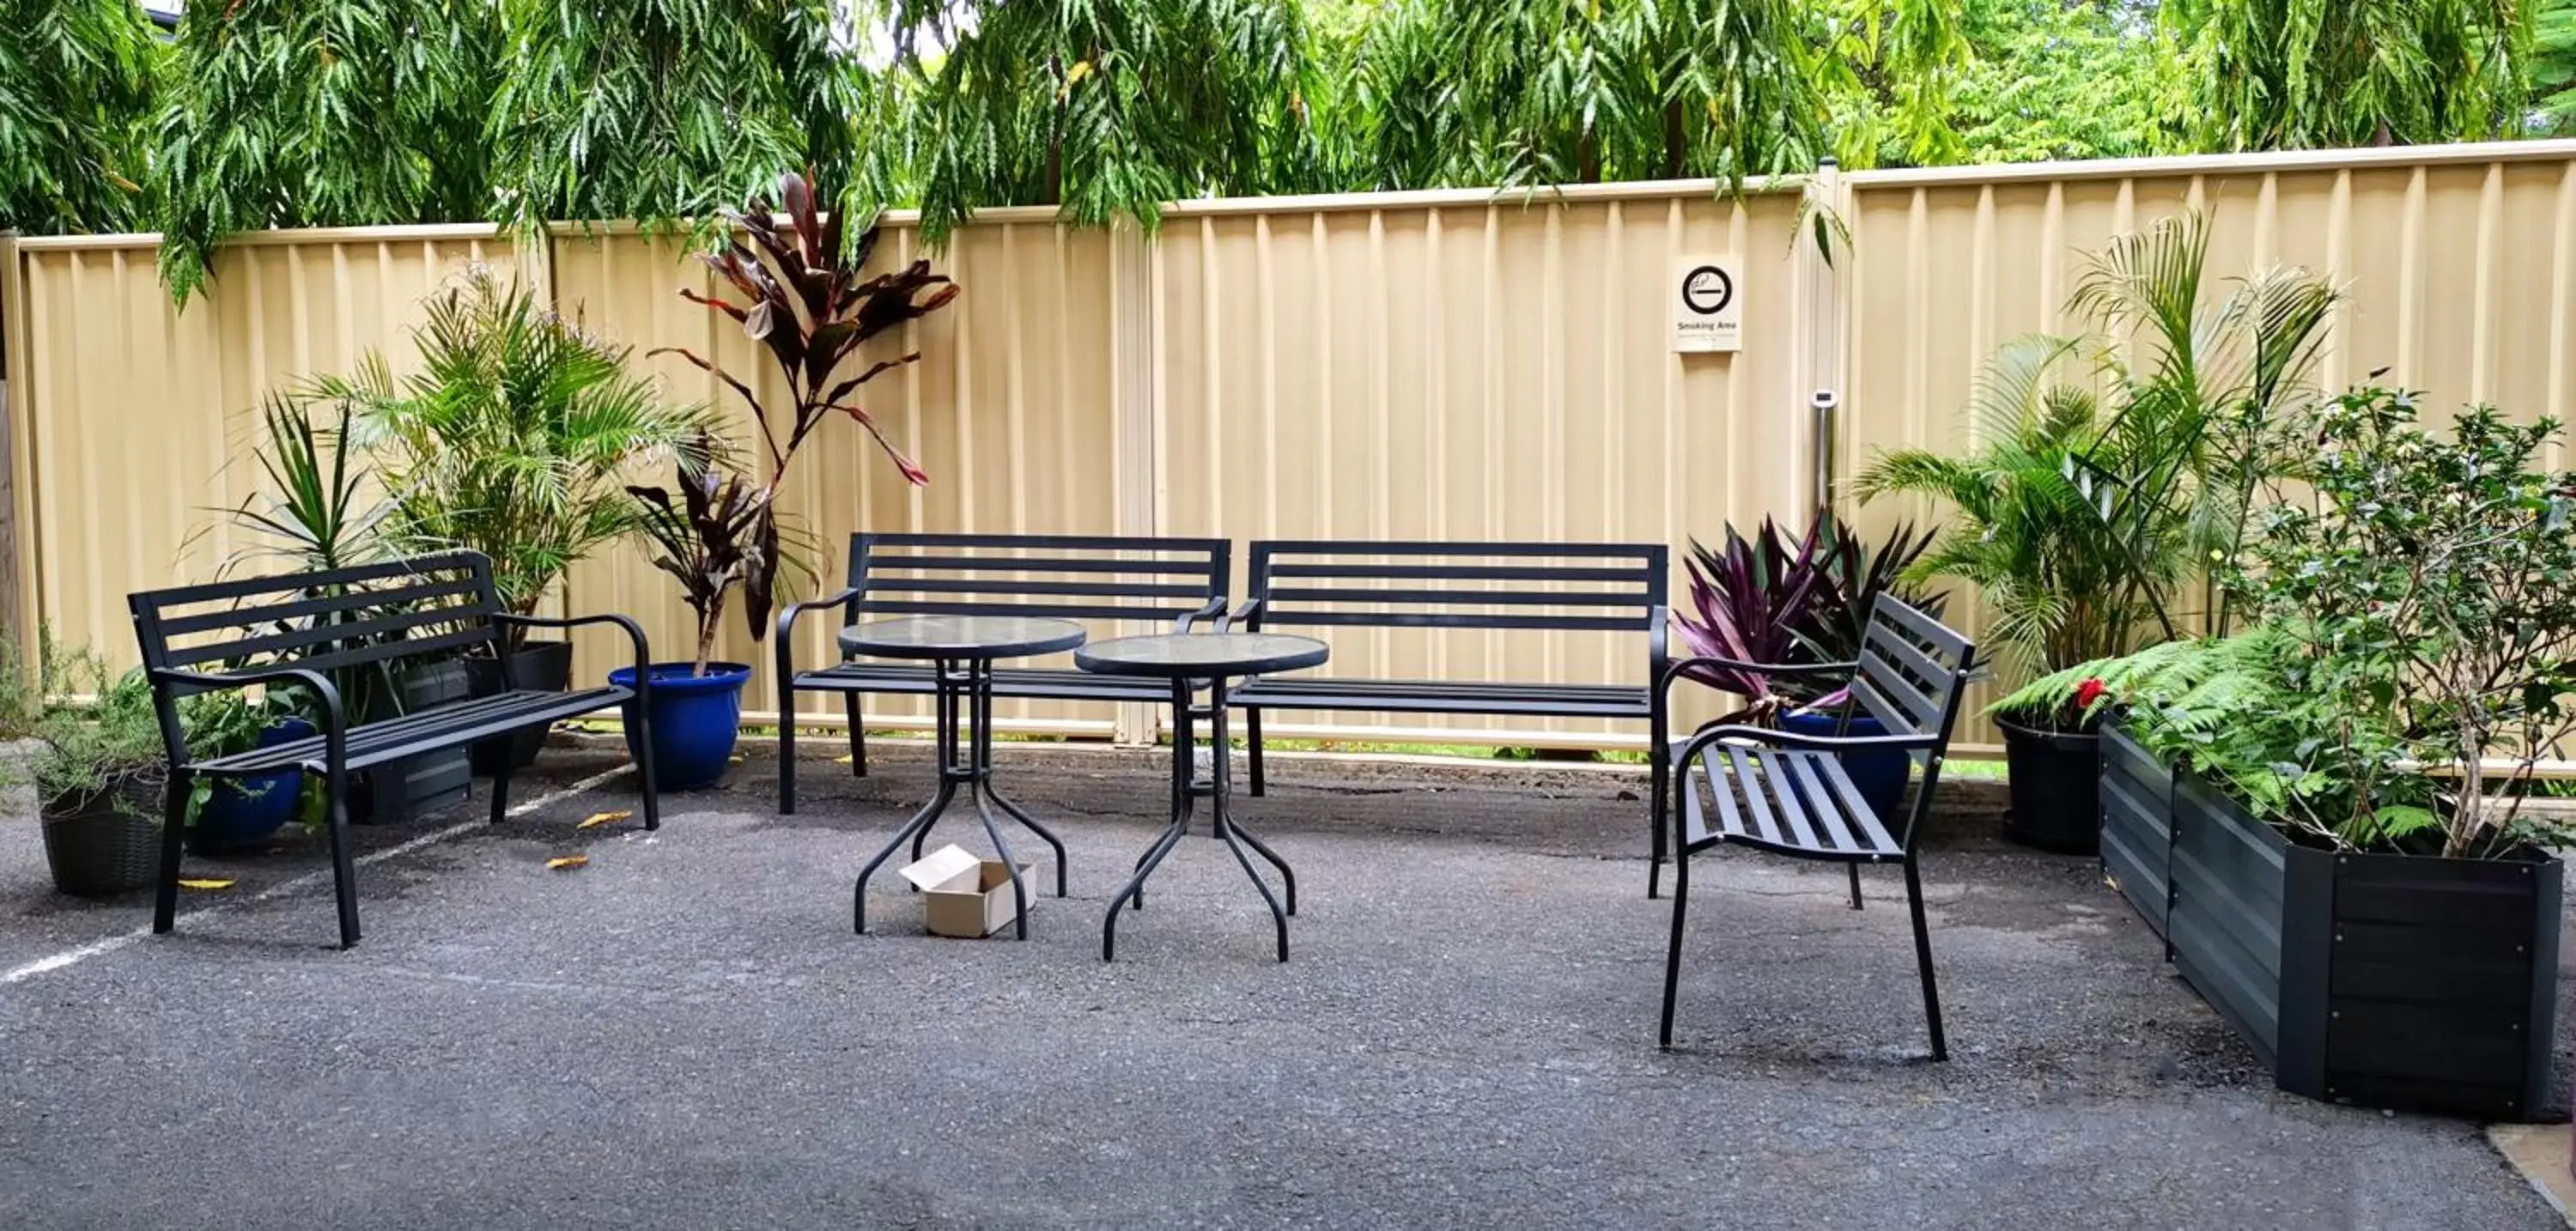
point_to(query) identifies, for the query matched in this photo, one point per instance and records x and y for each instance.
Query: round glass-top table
(963, 647)
(1188, 660)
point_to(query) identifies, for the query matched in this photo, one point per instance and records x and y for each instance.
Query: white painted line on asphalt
(57, 961)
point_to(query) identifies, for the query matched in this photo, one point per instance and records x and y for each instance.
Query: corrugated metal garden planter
(2398, 981)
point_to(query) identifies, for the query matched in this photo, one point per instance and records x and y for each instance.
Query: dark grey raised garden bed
(2394, 981)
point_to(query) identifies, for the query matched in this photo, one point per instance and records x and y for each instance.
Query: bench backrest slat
(1911, 670)
(1582, 581)
(1081, 577)
(322, 620)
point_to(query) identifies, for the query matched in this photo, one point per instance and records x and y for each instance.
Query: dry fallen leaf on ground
(199, 883)
(602, 818)
(563, 862)
(841, 760)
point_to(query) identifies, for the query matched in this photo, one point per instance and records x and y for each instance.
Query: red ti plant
(798, 293)
(1748, 602)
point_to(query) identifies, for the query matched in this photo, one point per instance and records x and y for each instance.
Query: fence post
(19, 616)
(1826, 316)
(1138, 422)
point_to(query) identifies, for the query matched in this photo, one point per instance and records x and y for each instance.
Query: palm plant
(320, 508)
(2084, 520)
(513, 436)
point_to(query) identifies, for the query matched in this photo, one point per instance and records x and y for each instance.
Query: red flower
(2087, 693)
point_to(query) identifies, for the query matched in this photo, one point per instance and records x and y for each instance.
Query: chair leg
(1252, 740)
(344, 870)
(501, 794)
(174, 824)
(858, 736)
(1854, 869)
(1673, 951)
(1923, 958)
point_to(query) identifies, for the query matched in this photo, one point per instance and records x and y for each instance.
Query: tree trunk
(1674, 141)
(1052, 191)
(1587, 158)
(709, 621)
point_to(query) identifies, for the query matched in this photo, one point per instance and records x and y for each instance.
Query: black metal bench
(339, 635)
(1580, 587)
(1179, 581)
(1796, 799)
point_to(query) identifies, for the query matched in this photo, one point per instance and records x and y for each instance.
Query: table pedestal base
(964, 686)
(1187, 789)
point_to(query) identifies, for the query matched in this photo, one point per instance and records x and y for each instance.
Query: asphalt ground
(686, 1033)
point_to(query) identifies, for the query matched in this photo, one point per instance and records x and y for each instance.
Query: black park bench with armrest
(338, 635)
(1572, 587)
(1174, 581)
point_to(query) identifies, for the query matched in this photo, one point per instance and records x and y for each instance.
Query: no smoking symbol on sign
(1707, 290)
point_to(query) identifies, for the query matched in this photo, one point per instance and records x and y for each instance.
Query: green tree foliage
(76, 90)
(670, 109)
(2553, 65)
(2040, 79)
(290, 113)
(2298, 74)
(1102, 106)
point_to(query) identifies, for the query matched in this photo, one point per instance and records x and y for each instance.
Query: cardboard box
(965, 896)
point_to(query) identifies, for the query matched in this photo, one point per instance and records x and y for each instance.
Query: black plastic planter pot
(2056, 777)
(94, 850)
(541, 666)
(402, 789)
(2397, 981)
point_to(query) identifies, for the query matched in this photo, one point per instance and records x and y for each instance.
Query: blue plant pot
(245, 811)
(1879, 775)
(695, 720)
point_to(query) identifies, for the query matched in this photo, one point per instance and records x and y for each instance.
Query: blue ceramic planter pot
(1879, 775)
(695, 720)
(245, 811)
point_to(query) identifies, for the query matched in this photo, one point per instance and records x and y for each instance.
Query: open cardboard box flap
(935, 870)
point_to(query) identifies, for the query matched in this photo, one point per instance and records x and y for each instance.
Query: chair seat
(1794, 802)
(447, 726)
(1053, 683)
(1446, 697)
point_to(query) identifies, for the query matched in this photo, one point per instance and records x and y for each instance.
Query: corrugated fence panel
(140, 416)
(1010, 410)
(1480, 371)
(2457, 262)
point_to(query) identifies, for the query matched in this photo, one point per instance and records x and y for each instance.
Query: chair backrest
(1603, 587)
(1075, 577)
(1913, 671)
(371, 615)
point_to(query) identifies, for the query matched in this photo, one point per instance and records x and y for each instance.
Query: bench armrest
(1683, 667)
(785, 650)
(634, 634)
(335, 721)
(1214, 610)
(1813, 743)
(1249, 612)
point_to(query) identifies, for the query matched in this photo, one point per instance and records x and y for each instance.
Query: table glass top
(1201, 654)
(961, 636)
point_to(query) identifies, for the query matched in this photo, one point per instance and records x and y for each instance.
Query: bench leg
(501, 793)
(344, 870)
(174, 823)
(1855, 883)
(1923, 958)
(644, 769)
(1659, 755)
(1252, 741)
(1673, 950)
(786, 749)
(858, 736)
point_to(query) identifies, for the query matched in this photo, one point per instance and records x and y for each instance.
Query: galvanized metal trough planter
(2396, 981)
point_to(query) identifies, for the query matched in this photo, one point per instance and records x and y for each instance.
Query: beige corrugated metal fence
(1452, 366)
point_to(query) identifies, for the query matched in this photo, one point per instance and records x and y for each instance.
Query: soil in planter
(2056, 783)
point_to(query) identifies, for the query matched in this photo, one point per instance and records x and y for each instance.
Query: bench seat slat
(1437, 697)
(452, 725)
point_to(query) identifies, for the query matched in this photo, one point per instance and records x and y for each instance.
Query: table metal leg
(965, 700)
(920, 821)
(1187, 788)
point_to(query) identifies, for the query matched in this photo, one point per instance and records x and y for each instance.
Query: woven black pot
(96, 850)
(543, 666)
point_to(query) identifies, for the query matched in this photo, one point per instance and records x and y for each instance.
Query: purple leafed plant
(1770, 598)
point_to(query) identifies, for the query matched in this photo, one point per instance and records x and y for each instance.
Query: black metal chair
(333, 633)
(1796, 798)
(1177, 581)
(1575, 587)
